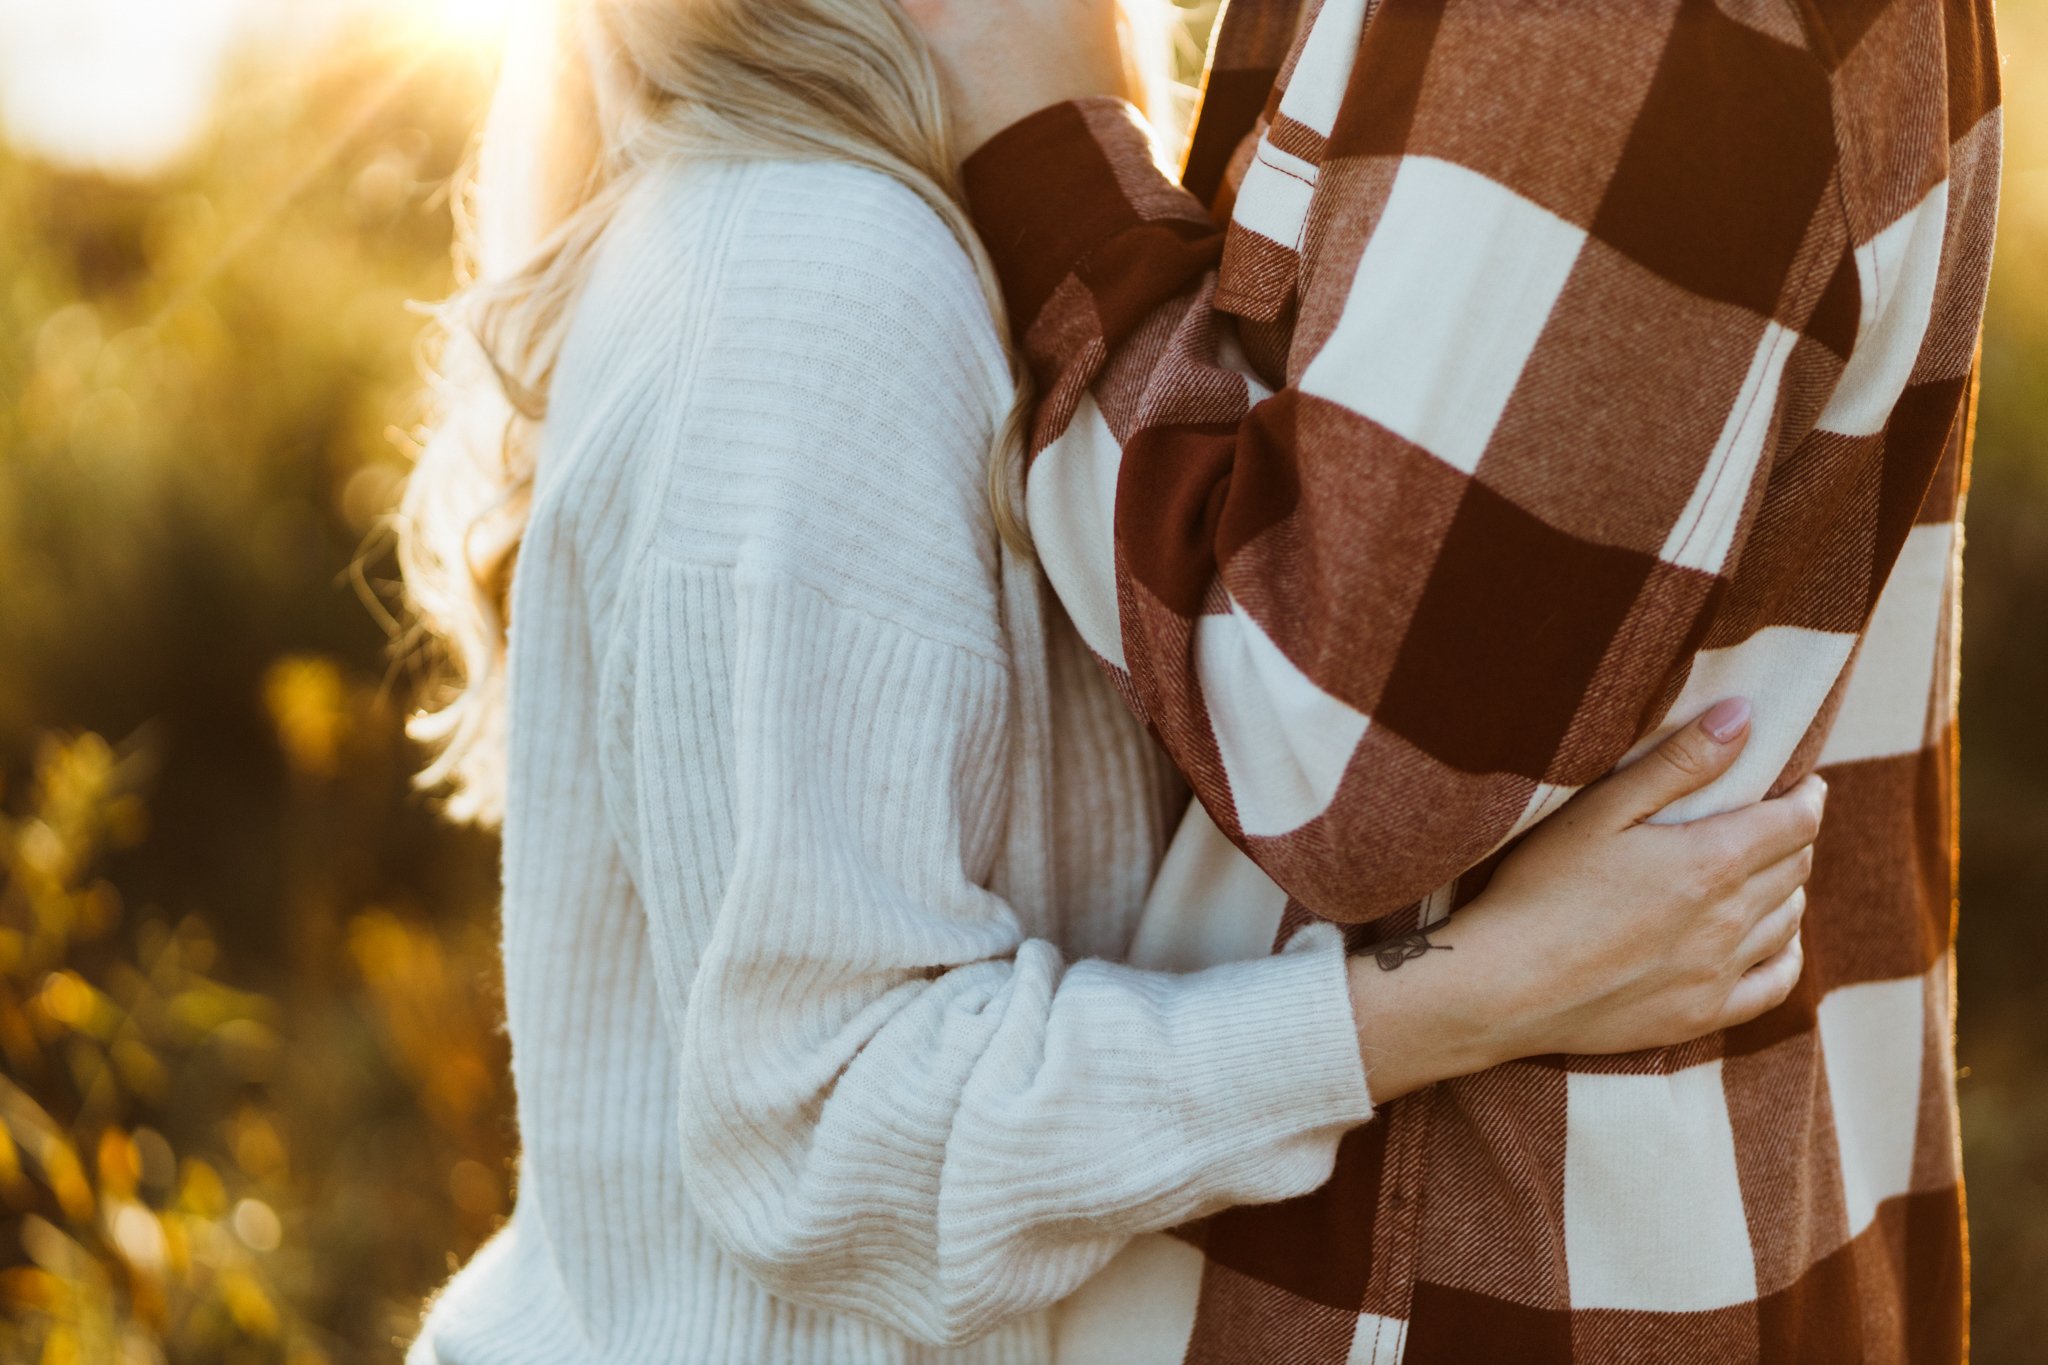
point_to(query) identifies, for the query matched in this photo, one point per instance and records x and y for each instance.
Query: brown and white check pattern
(1558, 368)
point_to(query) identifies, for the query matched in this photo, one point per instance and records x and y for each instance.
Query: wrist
(1052, 191)
(1432, 1017)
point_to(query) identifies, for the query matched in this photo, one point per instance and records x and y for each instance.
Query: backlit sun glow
(480, 22)
(124, 85)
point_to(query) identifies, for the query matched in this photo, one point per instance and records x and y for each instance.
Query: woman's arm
(899, 1099)
(896, 1100)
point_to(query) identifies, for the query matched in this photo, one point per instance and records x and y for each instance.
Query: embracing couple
(1336, 750)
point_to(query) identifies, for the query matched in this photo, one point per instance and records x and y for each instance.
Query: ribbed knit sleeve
(896, 1100)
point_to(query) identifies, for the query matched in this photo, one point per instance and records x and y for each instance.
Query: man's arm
(1552, 276)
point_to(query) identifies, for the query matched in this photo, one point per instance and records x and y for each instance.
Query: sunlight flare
(470, 22)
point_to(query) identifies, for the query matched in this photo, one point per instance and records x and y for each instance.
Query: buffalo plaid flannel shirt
(1547, 372)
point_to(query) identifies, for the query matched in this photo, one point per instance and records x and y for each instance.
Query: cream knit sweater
(823, 837)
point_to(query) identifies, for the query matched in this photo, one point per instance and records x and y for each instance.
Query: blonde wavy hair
(594, 92)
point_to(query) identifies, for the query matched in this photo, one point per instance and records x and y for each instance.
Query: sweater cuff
(1279, 1048)
(1051, 189)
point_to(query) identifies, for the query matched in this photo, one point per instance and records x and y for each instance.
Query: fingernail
(1726, 720)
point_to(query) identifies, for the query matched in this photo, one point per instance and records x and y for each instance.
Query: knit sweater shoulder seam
(708, 308)
(660, 556)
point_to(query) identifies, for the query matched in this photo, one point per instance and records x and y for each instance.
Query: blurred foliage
(132, 1249)
(254, 1100)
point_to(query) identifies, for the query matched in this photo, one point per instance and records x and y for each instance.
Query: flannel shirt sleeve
(1390, 587)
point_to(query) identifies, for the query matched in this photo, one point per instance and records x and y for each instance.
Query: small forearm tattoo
(1395, 951)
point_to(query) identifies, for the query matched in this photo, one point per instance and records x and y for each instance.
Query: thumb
(1681, 765)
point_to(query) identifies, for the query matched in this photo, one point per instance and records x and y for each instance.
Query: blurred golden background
(253, 1101)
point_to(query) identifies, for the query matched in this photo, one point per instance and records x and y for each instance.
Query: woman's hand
(1005, 59)
(1602, 933)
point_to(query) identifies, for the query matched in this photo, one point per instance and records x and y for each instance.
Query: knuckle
(1805, 864)
(1702, 892)
(1703, 1013)
(1709, 857)
(1782, 988)
(1782, 940)
(1685, 756)
(1732, 967)
(1728, 922)
(1740, 1009)
(1749, 845)
(1724, 862)
(1786, 979)
(1714, 971)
